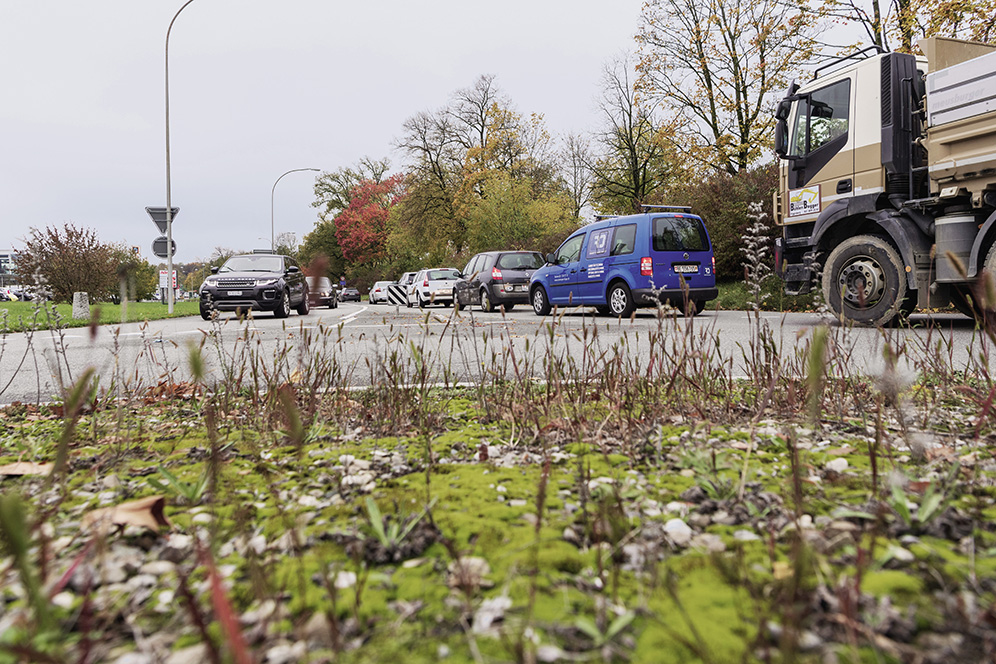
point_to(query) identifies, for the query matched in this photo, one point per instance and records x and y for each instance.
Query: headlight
(266, 282)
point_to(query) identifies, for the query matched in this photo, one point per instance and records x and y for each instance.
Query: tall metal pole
(273, 241)
(169, 203)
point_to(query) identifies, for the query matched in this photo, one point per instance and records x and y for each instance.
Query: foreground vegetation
(588, 508)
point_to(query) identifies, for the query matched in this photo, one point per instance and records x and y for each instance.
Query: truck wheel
(864, 281)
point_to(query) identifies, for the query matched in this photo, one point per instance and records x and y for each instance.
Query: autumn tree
(362, 227)
(67, 260)
(715, 66)
(899, 24)
(633, 157)
(575, 171)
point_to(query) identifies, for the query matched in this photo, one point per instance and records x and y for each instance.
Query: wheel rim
(286, 303)
(861, 282)
(538, 300)
(485, 302)
(617, 300)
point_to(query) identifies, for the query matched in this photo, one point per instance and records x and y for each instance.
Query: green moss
(891, 583)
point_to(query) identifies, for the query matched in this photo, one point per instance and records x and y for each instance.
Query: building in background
(7, 267)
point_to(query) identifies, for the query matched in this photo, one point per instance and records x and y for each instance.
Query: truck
(887, 181)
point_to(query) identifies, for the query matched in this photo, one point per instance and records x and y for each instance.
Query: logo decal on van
(598, 243)
(596, 270)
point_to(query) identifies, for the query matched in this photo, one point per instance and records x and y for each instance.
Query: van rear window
(680, 234)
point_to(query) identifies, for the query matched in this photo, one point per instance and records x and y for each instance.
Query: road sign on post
(159, 247)
(158, 215)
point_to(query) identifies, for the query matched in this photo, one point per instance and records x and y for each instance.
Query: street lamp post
(169, 203)
(273, 240)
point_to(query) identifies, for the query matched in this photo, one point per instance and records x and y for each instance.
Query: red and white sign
(162, 279)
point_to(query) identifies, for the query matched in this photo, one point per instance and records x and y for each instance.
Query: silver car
(433, 286)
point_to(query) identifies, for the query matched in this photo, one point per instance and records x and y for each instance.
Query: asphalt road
(361, 344)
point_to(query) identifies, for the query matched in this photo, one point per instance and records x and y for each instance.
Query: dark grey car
(496, 279)
(259, 282)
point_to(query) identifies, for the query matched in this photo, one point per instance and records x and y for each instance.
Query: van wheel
(603, 310)
(620, 300)
(864, 281)
(541, 305)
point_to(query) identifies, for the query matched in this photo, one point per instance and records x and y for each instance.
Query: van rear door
(681, 250)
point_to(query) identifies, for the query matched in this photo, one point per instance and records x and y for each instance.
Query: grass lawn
(22, 316)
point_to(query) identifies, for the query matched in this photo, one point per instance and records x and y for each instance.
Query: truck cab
(887, 180)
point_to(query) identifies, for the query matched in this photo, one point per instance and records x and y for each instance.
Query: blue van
(620, 263)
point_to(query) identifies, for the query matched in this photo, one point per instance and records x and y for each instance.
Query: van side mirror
(550, 258)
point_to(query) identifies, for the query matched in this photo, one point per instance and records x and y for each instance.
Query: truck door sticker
(804, 201)
(598, 243)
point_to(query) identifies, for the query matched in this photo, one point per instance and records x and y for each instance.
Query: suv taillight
(495, 274)
(646, 266)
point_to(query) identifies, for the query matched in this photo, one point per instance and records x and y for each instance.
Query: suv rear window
(523, 261)
(680, 234)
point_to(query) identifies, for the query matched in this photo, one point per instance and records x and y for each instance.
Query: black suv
(497, 279)
(262, 282)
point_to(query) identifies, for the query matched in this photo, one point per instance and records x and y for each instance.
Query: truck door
(820, 151)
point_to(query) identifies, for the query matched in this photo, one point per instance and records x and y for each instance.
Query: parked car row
(662, 256)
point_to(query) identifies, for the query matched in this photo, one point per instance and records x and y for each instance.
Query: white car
(378, 293)
(433, 286)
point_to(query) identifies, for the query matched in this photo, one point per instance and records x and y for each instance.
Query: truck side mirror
(781, 138)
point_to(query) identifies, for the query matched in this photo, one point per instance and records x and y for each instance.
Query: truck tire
(864, 282)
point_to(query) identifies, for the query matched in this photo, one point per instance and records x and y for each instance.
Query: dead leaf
(26, 468)
(145, 512)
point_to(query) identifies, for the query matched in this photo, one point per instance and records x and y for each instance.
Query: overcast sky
(256, 89)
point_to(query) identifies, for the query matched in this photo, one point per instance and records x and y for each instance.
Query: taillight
(495, 274)
(713, 266)
(425, 284)
(646, 266)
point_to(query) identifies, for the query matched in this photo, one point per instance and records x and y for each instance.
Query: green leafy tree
(68, 260)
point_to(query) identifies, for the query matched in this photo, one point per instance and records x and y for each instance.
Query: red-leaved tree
(361, 228)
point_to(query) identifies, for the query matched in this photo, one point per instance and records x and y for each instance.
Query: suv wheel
(283, 308)
(541, 305)
(620, 300)
(206, 313)
(304, 307)
(486, 303)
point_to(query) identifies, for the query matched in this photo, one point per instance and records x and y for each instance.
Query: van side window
(624, 241)
(570, 251)
(679, 234)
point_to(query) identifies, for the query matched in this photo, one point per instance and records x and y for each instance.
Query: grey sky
(256, 89)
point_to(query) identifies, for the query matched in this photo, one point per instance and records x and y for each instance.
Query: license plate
(686, 269)
(233, 293)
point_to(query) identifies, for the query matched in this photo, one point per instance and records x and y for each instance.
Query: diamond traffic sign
(158, 215)
(159, 247)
